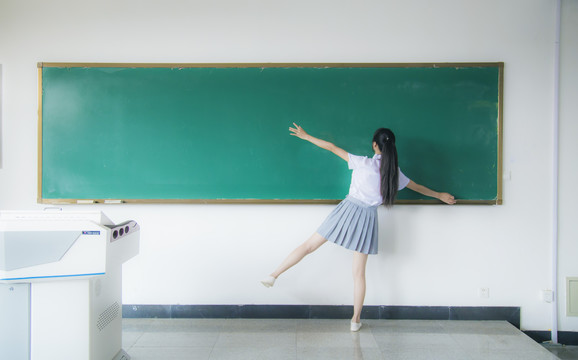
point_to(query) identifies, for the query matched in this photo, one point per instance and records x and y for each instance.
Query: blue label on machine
(91, 233)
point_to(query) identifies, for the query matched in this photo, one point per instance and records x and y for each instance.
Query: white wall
(568, 226)
(215, 254)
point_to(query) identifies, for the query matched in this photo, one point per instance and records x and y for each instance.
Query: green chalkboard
(215, 132)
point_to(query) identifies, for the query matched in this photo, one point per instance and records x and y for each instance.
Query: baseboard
(510, 314)
(564, 337)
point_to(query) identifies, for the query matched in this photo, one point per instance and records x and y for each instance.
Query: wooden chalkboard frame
(497, 201)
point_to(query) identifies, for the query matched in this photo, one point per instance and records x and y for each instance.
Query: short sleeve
(402, 180)
(355, 161)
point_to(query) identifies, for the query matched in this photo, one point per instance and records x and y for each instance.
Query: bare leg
(359, 262)
(309, 246)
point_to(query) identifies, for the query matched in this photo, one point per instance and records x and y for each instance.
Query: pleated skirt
(353, 225)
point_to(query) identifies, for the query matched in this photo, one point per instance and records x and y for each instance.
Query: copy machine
(61, 284)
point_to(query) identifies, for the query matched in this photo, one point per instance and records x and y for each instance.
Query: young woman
(353, 223)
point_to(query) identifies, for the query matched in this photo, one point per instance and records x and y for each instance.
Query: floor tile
(341, 340)
(410, 341)
(261, 325)
(253, 353)
(479, 327)
(186, 325)
(404, 326)
(129, 338)
(257, 340)
(177, 339)
(170, 353)
(323, 325)
(562, 352)
(333, 353)
(425, 354)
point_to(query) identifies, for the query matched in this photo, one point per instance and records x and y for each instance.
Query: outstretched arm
(445, 197)
(302, 134)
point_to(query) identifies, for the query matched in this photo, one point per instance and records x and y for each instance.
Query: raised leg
(309, 246)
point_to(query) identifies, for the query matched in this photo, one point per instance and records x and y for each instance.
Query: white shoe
(355, 326)
(269, 281)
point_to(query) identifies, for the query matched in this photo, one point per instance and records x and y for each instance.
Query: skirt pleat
(365, 232)
(353, 225)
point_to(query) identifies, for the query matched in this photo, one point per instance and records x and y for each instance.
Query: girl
(353, 223)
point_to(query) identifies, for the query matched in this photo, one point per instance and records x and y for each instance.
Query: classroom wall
(568, 227)
(216, 254)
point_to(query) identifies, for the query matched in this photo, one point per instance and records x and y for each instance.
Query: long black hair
(385, 140)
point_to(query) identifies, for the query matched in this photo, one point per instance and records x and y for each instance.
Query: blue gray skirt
(353, 225)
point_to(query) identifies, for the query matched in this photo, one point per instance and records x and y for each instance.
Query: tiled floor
(180, 339)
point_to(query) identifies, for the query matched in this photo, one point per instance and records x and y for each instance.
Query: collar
(377, 156)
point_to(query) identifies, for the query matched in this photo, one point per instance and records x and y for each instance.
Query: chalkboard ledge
(247, 201)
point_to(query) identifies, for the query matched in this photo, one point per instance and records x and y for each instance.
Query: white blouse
(365, 180)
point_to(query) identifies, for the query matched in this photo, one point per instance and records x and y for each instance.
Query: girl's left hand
(447, 198)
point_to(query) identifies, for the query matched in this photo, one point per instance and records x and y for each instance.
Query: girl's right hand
(302, 134)
(298, 131)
